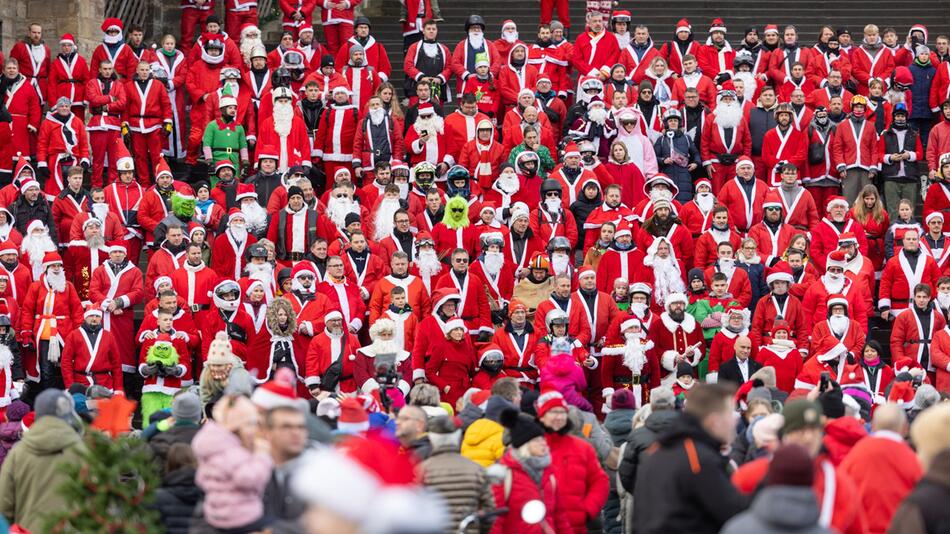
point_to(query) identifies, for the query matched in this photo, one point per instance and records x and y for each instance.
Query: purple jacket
(9, 436)
(232, 477)
(568, 378)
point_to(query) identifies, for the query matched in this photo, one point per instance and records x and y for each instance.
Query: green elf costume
(224, 138)
(164, 370)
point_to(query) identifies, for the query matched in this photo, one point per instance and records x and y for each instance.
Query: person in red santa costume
(579, 327)
(834, 282)
(156, 201)
(228, 252)
(663, 222)
(903, 273)
(782, 354)
(779, 304)
(331, 358)
(517, 341)
(450, 361)
(255, 301)
(362, 267)
(445, 303)
(51, 309)
(124, 197)
(33, 57)
(473, 307)
(116, 288)
(91, 355)
(611, 211)
(697, 213)
(772, 233)
(417, 296)
(720, 231)
(723, 344)
(24, 105)
(550, 219)
(744, 195)
(914, 330)
(631, 365)
(85, 256)
(425, 262)
(226, 314)
(36, 243)
(107, 98)
(834, 345)
(426, 140)
(114, 49)
(678, 337)
(366, 368)
(857, 267)
(18, 275)
(194, 281)
(725, 137)
(361, 78)
(622, 259)
(343, 295)
(286, 132)
(69, 202)
(515, 75)
(375, 53)
(483, 155)
(168, 257)
(595, 50)
(339, 127)
(498, 274)
(739, 284)
(68, 74)
(825, 234)
(783, 144)
(148, 116)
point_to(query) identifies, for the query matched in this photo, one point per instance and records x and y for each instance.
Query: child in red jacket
(482, 85)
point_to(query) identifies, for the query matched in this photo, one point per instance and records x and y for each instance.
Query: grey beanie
(926, 397)
(662, 398)
(59, 404)
(186, 406)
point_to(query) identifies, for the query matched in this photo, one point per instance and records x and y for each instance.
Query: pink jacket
(568, 378)
(232, 477)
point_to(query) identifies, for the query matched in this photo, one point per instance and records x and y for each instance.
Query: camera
(386, 373)
(825, 379)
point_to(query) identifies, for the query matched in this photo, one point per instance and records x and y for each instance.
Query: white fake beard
(247, 46)
(403, 190)
(339, 208)
(633, 354)
(943, 299)
(57, 281)
(428, 263)
(95, 242)
(295, 285)
(238, 232)
(476, 39)
(260, 271)
(5, 231)
(384, 346)
(283, 118)
(553, 205)
(839, 324)
(510, 36)
(254, 215)
(661, 194)
(895, 97)
(666, 278)
(493, 262)
(597, 115)
(377, 116)
(727, 267)
(832, 286)
(560, 262)
(433, 124)
(37, 246)
(728, 115)
(749, 85)
(705, 201)
(111, 39)
(639, 309)
(384, 225)
(507, 183)
(100, 210)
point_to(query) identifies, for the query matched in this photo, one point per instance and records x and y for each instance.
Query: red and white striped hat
(549, 399)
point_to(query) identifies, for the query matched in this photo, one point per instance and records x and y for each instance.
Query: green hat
(801, 414)
(481, 58)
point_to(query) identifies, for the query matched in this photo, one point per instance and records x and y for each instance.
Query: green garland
(109, 491)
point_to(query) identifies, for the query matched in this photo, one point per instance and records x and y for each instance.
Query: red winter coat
(105, 111)
(120, 60)
(577, 326)
(124, 288)
(702, 83)
(523, 490)
(595, 53)
(940, 358)
(582, 485)
(546, 226)
(739, 285)
(86, 363)
(781, 60)
(450, 364)
(897, 281)
(815, 302)
(68, 79)
(824, 239)
(787, 362)
(145, 111)
(791, 147)
(884, 469)
(854, 148)
(767, 310)
(867, 66)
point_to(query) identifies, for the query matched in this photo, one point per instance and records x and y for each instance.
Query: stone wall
(82, 18)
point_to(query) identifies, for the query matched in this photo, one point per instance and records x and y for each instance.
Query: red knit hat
(549, 399)
(279, 392)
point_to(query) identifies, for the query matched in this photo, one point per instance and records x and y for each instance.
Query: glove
(161, 369)
(150, 370)
(168, 128)
(85, 165)
(175, 371)
(722, 77)
(42, 173)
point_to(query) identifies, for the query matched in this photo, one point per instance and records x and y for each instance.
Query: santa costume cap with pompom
(780, 325)
(51, 258)
(772, 200)
(837, 258)
(743, 160)
(279, 392)
(490, 349)
(781, 272)
(770, 28)
(549, 399)
(452, 324)
(124, 161)
(223, 164)
(836, 199)
(302, 267)
(162, 168)
(571, 150)
(586, 270)
(219, 351)
(235, 213)
(717, 26)
(333, 315)
(245, 191)
(111, 23)
(932, 216)
(91, 311)
(676, 297)
(22, 164)
(353, 418)
(160, 281)
(629, 323)
(67, 38)
(727, 89)
(8, 247)
(480, 398)
(837, 300)
(623, 229)
(683, 26)
(847, 238)
(507, 23)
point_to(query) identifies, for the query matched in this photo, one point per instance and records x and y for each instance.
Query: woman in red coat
(869, 211)
(626, 174)
(450, 362)
(582, 485)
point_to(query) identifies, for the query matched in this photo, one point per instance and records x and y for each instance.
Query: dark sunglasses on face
(457, 210)
(461, 260)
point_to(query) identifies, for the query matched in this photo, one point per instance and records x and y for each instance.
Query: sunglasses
(460, 260)
(773, 208)
(342, 195)
(457, 210)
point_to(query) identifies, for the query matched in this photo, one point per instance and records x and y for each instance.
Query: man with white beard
(250, 37)
(498, 274)
(255, 215)
(85, 256)
(285, 132)
(384, 213)
(832, 340)
(340, 205)
(426, 140)
(426, 264)
(725, 137)
(632, 364)
(378, 140)
(463, 58)
(36, 243)
(97, 207)
(51, 310)
(503, 190)
(662, 270)
(295, 230)
(258, 268)
(834, 282)
(227, 254)
(593, 126)
(697, 213)
(383, 333)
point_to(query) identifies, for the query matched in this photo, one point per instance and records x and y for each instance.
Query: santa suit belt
(918, 341)
(195, 308)
(225, 149)
(295, 256)
(627, 381)
(526, 369)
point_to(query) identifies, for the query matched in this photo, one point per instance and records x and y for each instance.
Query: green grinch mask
(162, 352)
(456, 213)
(183, 206)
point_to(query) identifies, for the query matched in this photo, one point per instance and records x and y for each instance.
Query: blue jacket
(920, 90)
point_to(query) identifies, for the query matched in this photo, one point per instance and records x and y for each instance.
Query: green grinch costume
(164, 374)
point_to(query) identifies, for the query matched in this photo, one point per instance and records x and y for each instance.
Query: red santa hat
(919, 28)
(743, 160)
(332, 316)
(781, 272)
(932, 216)
(29, 184)
(641, 287)
(22, 164)
(770, 28)
(717, 25)
(837, 299)
(162, 168)
(571, 150)
(247, 284)
(586, 270)
(279, 392)
(424, 238)
(8, 247)
(542, 77)
(267, 152)
(426, 108)
(507, 23)
(490, 349)
(398, 164)
(779, 325)
(452, 324)
(111, 23)
(160, 281)
(727, 89)
(353, 417)
(91, 311)
(516, 305)
(67, 38)
(683, 26)
(676, 297)
(836, 199)
(193, 228)
(624, 229)
(443, 295)
(847, 238)
(620, 15)
(830, 348)
(223, 164)
(124, 161)
(549, 399)
(837, 258)
(629, 323)
(772, 200)
(51, 258)
(245, 191)
(235, 213)
(905, 364)
(703, 182)
(302, 267)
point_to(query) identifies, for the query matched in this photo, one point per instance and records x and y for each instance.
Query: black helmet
(281, 77)
(458, 172)
(361, 20)
(474, 20)
(257, 251)
(550, 185)
(5, 320)
(559, 243)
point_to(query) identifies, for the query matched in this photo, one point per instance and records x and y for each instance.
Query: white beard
(384, 346)
(749, 84)
(493, 262)
(639, 309)
(239, 233)
(838, 324)
(255, 216)
(5, 231)
(727, 268)
(283, 118)
(95, 242)
(705, 201)
(36, 247)
(666, 279)
(263, 272)
(895, 97)
(57, 281)
(728, 115)
(377, 116)
(339, 208)
(552, 205)
(384, 225)
(623, 39)
(559, 263)
(943, 299)
(832, 286)
(428, 263)
(597, 115)
(100, 210)
(633, 355)
(247, 46)
(476, 40)
(510, 36)
(434, 124)
(506, 183)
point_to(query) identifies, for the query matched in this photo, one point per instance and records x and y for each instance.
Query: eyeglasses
(836, 270)
(460, 260)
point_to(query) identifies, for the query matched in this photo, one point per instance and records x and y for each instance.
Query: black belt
(627, 380)
(295, 256)
(199, 307)
(522, 369)
(918, 342)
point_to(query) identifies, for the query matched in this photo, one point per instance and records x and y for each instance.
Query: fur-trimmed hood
(271, 316)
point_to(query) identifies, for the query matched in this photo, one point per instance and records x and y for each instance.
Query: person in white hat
(678, 337)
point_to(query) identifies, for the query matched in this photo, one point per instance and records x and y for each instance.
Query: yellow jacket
(482, 442)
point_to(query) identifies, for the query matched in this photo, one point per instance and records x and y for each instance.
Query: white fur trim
(668, 360)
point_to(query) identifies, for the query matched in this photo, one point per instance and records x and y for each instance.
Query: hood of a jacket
(841, 435)
(786, 508)
(495, 405)
(50, 435)
(617, 423)
(561, 365)
(181, 482)
(660, 421)
(481, 431)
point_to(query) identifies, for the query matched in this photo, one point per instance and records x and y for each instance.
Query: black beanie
(522, 428)
(294, 190)
(327, 61)
(683, 369)
(351, 218)
(832, 403)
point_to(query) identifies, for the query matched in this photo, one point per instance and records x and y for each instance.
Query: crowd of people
(632, 285)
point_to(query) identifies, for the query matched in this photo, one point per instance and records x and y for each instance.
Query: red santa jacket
(744, 210)
(825, 343)
(374, 269)
(459, 130)
(678, 236)
(772, 244)
(768, 310)
(511, 80)
(909, 339)
(147, 107)
(345, 297)
(594, 54)
(867, 65)
(449, 366)
(500, 286)
(702, 83)
(801, 213)
(36, 71)
(412, 56)
(67, 77)
(815, 302)
(713, 141)
(58, 315)
(81, 261)
(821, 64)
(707, 246)
(785, 359)
(789, 147)
(195, 284)
(673, 338)
(694, 219)
(899, 279)
(105, 108)
(474, 308)
(295, 148)
(374, 53)
(855, 147)
(547, 226)
(153, 207)
(60, 140)
(824, 239)
(126, 290)
(120, 59)
(615, 263)
(334, 140)
(163, 263)
(722, 349)
(782, 59)
(169, 385)
(552, 61)
(89, 361)
(364, 154)
(578, 326)
(65, 208)
(712, 59)
(739, 284)
(23, 103)
(482, 160)
(599, 316)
